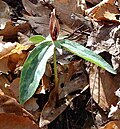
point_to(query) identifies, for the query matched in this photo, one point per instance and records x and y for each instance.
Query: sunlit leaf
(33, 70)
(86, 54)
(37, 39)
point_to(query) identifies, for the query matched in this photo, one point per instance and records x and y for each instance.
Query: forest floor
(92, 92)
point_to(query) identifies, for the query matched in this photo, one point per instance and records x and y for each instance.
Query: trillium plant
(35, 65)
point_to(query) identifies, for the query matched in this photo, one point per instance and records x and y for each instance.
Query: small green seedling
(35, 65)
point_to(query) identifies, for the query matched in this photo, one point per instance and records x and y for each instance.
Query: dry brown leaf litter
(104, 38)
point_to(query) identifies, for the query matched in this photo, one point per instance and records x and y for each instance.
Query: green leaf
(37, 39)
(33, 70)
(86, 54)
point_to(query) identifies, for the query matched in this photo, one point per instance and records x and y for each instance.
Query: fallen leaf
(12, 121)
(68, 8)
(119, 4)
(107, 12)
(112, 125)
(105, 40)
(50, 111)
(10, 31)
(4, 14)
(4, 86)
(6, 48)
(35, 9)
(14, 86)
(16, 60)
(94, 2)
(23, 39)
(31, 105)
(71, 78)
(104, 11)
(12, 55)
(102, 87)
(11, 106)
(4, 62)
(39, 24)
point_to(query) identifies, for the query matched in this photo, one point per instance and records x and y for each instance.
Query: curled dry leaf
(12, 121)
(6, 48)
(102, 87)
(11, 55)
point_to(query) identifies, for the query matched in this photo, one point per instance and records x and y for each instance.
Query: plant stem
(55, 68)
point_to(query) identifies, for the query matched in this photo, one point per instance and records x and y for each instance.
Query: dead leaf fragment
(14, 86)
(39, 24)
(31, 104)
(10, 31)
(65, 10)
(4, 86)
(104, 11)
(12, 55)
(12, 121)
(94, 2)
(112, 125)
(102, 88)
(6, 48)
(4, 62)
(11, 106)
(4, 14)
(35, 9)
(71, 78)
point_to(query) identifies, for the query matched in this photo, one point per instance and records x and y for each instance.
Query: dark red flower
(54, 26)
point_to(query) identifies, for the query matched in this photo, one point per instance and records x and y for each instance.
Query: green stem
(55, 68)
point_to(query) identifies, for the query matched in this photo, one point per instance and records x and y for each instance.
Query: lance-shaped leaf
(37, 39)
(33, 70)
(86, 54)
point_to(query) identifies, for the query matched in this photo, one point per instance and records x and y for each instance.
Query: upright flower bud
(54, 26)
